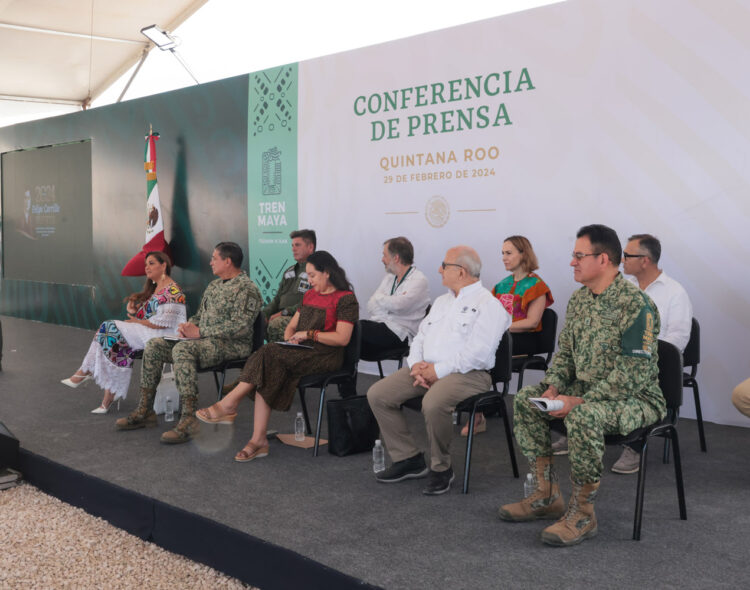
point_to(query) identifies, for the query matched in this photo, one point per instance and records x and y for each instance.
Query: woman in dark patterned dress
(270, 376)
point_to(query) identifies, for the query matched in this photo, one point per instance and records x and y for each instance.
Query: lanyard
(397, 285)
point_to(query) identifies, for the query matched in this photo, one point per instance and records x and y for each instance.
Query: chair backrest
(502, 372)
(670, 374)
(543, 342)
(692, 355)
(259, 331)
(353, 349)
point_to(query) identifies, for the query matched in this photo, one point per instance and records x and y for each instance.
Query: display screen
(47, 217)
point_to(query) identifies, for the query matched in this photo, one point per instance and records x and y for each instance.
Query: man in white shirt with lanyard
(399, 303)
(640, 261)
(448, 362)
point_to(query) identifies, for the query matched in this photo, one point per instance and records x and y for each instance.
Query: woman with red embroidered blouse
(324, 323)
(523, 294)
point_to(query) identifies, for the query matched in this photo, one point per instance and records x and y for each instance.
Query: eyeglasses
(580, 255)
(626, 255)
(447, 264)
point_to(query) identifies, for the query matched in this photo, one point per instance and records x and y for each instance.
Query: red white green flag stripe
(154, 240)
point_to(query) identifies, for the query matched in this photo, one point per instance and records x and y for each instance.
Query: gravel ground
(47, 544)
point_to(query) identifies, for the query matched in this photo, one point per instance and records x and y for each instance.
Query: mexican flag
(154, 225)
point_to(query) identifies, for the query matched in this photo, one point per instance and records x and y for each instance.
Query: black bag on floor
(352, 427)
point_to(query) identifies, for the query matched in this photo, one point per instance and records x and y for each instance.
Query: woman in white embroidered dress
(155, 311)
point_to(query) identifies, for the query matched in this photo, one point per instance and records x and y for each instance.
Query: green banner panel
(271, 174)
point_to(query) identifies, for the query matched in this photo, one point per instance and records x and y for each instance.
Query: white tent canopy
(67, 53)
(57, 56)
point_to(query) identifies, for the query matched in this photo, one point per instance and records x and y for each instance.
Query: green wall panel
(201, 168)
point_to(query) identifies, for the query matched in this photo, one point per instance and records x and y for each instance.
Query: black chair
(690, 359)
(346, 374)
(533, 350)
(670, 381)
(220, 371)
(397, 353)
(392, 354)
(500, 373)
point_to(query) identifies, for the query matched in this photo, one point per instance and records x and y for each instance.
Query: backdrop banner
(538, 123)
(271, 174)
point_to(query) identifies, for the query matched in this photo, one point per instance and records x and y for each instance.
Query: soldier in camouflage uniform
(288, 299)
(222, 329)
(605, 373)
(293, 286)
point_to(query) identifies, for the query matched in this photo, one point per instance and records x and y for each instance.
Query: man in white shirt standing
(641, 262)
(448, 362)
(399, 303)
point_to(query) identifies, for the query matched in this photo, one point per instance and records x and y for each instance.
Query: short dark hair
(603, 239)
(650, 244)
(306, 234)
(402, 248)
(230, 250)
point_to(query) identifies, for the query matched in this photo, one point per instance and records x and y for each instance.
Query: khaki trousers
(438, 403)
(741, 397)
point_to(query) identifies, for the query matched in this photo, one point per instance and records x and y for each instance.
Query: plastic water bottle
(169, 410)
(528, 486)
(378, 457)
(299, 427)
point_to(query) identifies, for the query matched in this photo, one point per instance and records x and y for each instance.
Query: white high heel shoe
(70, 383)
(101, 410)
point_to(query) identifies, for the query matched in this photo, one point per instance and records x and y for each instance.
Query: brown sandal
(478, 428)
(250, 452)
(213, 415)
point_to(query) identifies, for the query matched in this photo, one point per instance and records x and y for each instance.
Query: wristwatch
(285, 312)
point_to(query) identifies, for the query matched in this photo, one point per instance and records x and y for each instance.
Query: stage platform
(328, 516)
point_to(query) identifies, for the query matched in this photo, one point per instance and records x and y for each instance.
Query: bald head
(467, 257)
(461, 267)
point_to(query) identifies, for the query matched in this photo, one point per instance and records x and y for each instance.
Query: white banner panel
(630, 113)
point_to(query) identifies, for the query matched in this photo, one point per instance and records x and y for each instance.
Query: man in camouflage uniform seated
(222, 329)
(606, 375)
(293, 285)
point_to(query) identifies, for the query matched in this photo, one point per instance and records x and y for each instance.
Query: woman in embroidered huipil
(155, 311)
(523, 294)
(323, 325)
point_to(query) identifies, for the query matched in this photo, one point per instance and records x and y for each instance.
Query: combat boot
(579, 522)
(545, 503)
(186, 427)
(142, 416)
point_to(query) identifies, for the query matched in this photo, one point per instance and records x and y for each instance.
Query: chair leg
(509, 438)
(320, 420)
(219, 381)
(304, 410)
(380, 369)
(678, 473)
(699, 414)
(469, 443)
(640, 487)
(520, 381)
